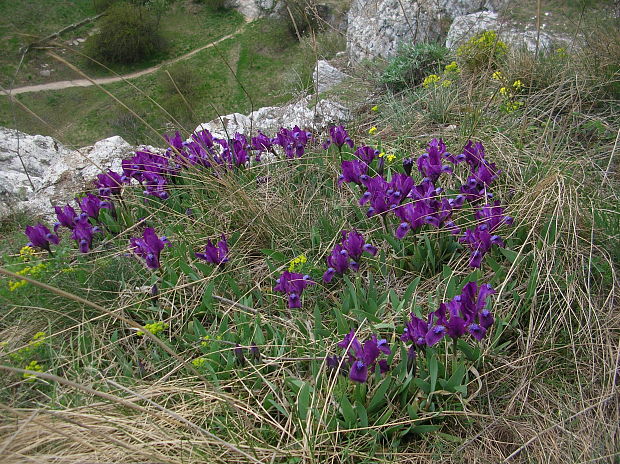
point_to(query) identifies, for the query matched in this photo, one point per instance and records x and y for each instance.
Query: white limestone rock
(466, 26)
(326, 76)
(271, 118)
(377, 27)
(56, 172)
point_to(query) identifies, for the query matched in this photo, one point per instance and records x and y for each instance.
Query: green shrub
(483, 51)
(412, 63)
(302, 16)
(180, 77)
(215, 4)
(127, 34)
(102, 5)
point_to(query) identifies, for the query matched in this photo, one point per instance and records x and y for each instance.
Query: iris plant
(363, 358)
(293, 284)
(149, 247)
(215, 254)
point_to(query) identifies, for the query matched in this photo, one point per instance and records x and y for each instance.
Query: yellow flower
(375, 108)
(26, 253)
(33, 366)
(497, 75)
(38, 339)
(452, 68)
(446, 83)
(382, 154)
(372, 130)
(390, 158)
(517, 84)
(15, 285)
(155, 328)
(301, 259)
(431, 80)
(199, 362)
(504, 91)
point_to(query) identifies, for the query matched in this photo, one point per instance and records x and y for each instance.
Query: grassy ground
(271, 71)
(184, 27)
(542, 386)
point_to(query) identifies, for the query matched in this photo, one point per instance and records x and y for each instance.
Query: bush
(216, 5)
(127, 34)
(102, 5)
(482, 51)
(412, 63)
(302, 16)
(183, 78)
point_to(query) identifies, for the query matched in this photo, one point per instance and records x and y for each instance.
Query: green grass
(184, 27)
(271, 70)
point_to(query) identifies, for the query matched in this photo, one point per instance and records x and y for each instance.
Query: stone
(51, 173)
(253, 9)
(377, 27)
(326, 76)
(466, 26)
(45, 73)
(271, 118)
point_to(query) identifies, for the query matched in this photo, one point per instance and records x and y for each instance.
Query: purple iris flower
(261, 143)
(384, 196)
(430, 163)
(175, 141)
(366, 154)
(413, 215)
(474, 302)
(408, 165)
(480, 241)
(493, 216)
(293, 284)
(110, 183)
(355, 244)
(155, 185)
(339, 137)
(91, 205)
(473, 154)
(66, 216)
(337, 262)
(41, 237)
(364, 357)
(353, 171)
(149, 247)
(215, 254)
(83, 233)
(293, 141)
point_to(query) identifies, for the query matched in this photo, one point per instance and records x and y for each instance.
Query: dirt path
(59, 85)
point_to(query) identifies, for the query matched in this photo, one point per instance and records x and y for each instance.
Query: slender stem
(454, 355)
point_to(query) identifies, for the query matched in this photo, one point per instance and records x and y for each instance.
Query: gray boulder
(268, 120)
(376, 27)
(326, 76)
(466, 26)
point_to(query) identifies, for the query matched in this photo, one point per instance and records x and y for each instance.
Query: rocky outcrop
(326, 76)
(253, 9)
(50, 173)
(303, 113)
(466, 26)
(376, 27)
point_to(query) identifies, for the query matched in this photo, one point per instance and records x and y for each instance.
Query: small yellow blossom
(199, 362)
(38, 339)
(372, 130)
(13, 285)
(33, 366)
(446, 83)
(504, 91)
(497, 75)
(155, 328)
(68, 269)
(390, 158)
(517, 84)
(297, 262)
(382, 154)
(452, 68)
(375, 108)
(431, 80)
(26, 253)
